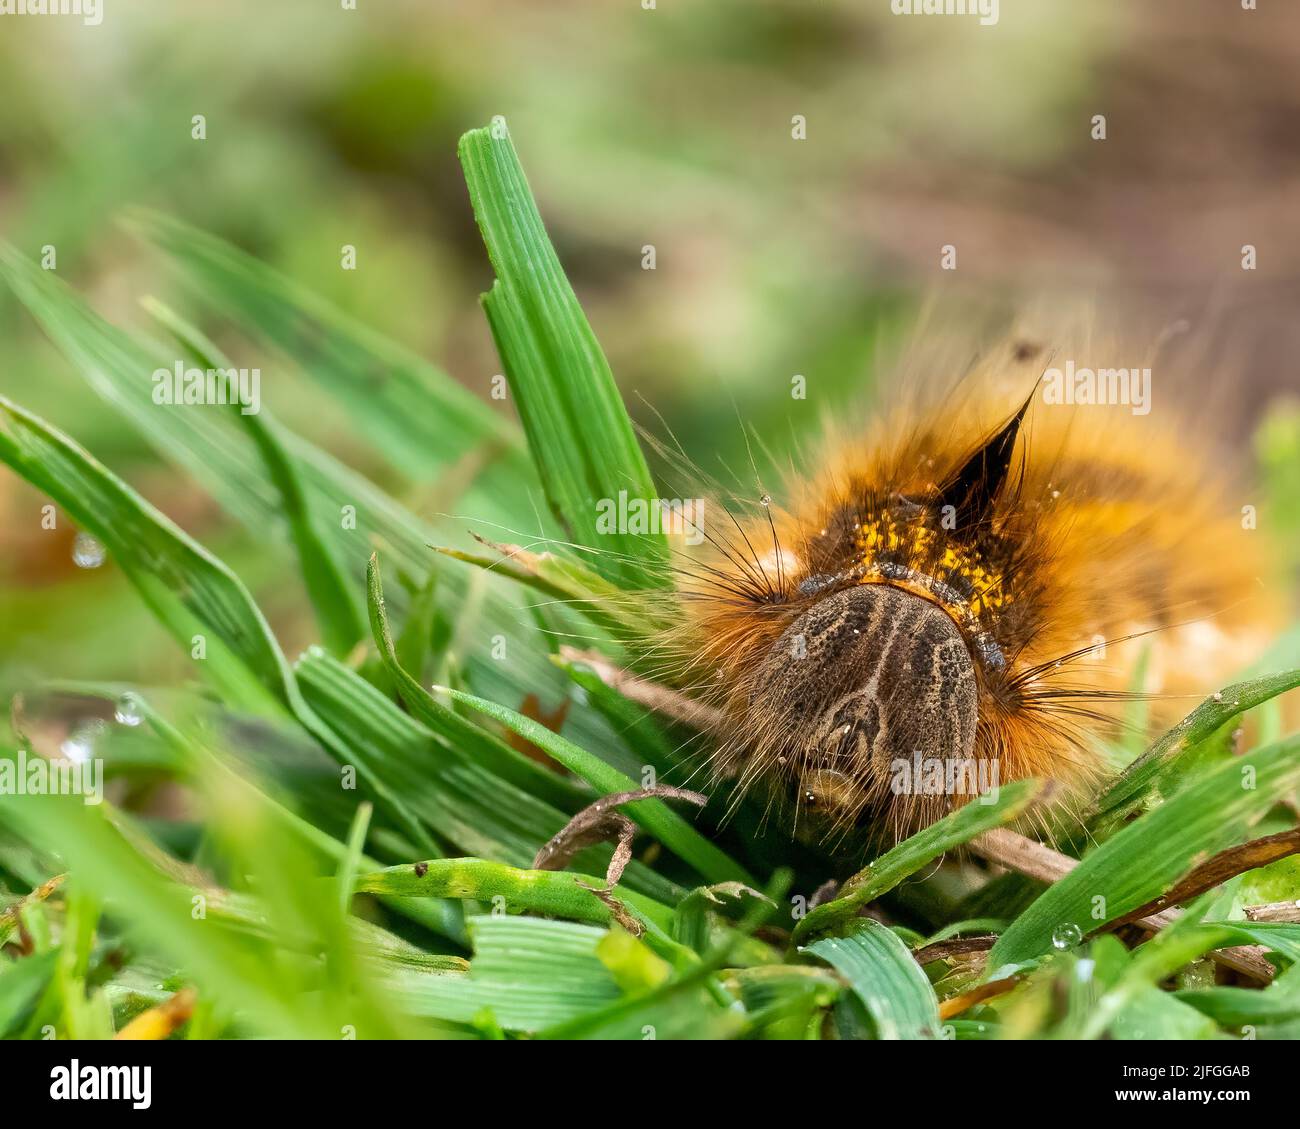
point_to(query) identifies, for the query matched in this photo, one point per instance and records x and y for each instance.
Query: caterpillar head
(865, 679)
(872, 669)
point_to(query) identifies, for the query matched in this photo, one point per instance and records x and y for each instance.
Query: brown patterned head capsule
(864, 680)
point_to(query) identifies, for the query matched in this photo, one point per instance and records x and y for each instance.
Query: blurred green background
(669, 127)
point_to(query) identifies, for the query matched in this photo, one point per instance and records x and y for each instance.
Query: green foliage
(890, 985)
(1148, 856)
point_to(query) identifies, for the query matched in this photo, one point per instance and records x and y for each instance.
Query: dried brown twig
(600, 822)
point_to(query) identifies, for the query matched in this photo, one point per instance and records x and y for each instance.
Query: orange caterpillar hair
(954, 583)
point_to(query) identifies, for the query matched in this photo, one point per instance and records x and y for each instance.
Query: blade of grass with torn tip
(556, 893)
(924, 847)
(415, 415)
(882, 973)
(191, 592)
(1141, 779)
(770, 986)
(333, 595)
(474, 741)
(653, 815)
(1147, 857)
(701, 922)
(578, 429)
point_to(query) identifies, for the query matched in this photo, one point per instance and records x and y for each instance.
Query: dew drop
(87, 552)
(79, 745)
(765, 500)
(128, 711)
(1066, 935)
(1218, 696)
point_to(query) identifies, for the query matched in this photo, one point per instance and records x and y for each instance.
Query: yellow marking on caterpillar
(879, 533)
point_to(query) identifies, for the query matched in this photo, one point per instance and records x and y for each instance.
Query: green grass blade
(1141, 780)
(21, 986)
(475, 742)
(413, 413)
(556, 893)
(160, 912)
(464, 803)
(1147, 857)
(197, 764)
(527, 973)
(217, 453)
(351, 861)
(332, 593)
(577, 427)
(1281, 937)
(565, 580)
(890, 984)
(191, 591)
(921, 849)
(1240, 1007)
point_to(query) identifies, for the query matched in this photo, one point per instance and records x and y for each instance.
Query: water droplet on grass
(87, 552)
(128, 711)
(1066, 935)
(79, 745)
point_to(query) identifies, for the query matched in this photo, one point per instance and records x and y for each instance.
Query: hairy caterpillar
(967, 580)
